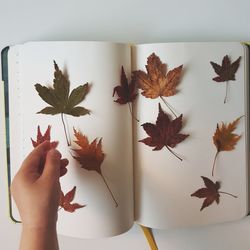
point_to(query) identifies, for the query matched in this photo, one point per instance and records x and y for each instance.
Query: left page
(98, 64)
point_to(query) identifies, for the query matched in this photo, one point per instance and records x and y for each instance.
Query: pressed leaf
(226, 71)
(40, 138)
(126, 92)
(90, 156)
(224, 139)
(157, 82)
(164, 133)
(59, 98)
(210, 192)
(65, 201)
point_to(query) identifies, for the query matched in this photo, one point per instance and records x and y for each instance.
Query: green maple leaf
(59, 98)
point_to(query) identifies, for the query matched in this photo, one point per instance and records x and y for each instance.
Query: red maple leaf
(65, 201)
(42, 138)
(226, 71)
(211, 192)
(164, 133)
(126, 91)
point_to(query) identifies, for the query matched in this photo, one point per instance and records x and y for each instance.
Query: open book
(175, 156)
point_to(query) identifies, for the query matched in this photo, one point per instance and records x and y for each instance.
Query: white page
(163, 184)
(100, 65)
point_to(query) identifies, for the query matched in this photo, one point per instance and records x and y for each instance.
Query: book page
(163, 183)
(99, 64)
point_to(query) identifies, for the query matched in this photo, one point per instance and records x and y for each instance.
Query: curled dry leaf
(90, 156)
(164, 133)
(226, 71)
(65, 201)
(126, 91)
(59, 98)
(224, 139)
(157, 82)
(210, 192)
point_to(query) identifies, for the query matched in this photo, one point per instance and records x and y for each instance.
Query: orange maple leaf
(90, 156)
(224, 139)
(157, 82)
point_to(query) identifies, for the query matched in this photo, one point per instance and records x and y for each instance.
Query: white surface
(134, 21)
(163, 183)
(107, 120)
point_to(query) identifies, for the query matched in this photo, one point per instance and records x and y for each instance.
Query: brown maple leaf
(65, 201)
(90, 156)
(224, 139)
(126, 91)
(226, 71)
(164, 133)
(157, 82)
(210, 192)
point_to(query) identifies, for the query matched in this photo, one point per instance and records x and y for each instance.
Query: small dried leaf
(65, 201)
(226, 71)
(210, 192)
(126, 91)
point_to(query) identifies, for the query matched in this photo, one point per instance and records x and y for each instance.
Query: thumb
(52, 165)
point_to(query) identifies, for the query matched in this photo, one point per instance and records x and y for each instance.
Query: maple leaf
(90, 156)
(157, 82)
(65, 201)
(226, 71)
(41, 138)
(126, 91)
(224, 139)
(59, 98)
(164, 133)
(210, 192)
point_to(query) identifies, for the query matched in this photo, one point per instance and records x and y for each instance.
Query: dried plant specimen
(126, 92)
(157, 82)
(59, 98)
(90, 156)
(210, 192)
(224, 139)
(65, 201)
(226, 71)
(41, 138)
(164, 133)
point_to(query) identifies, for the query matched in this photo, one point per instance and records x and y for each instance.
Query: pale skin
(37, 197)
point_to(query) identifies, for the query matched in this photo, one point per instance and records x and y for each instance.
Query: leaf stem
(221, 192)
(68, 142)
(215, 157)
(116, 204)
(225, 99)
(173, 153)
(168, 106)
(130, 109)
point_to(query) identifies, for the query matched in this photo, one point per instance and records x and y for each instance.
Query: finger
(64, 162)
(32, 161)
(52, 165)
(63, 171)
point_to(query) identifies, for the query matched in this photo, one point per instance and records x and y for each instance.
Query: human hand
(37, 194)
